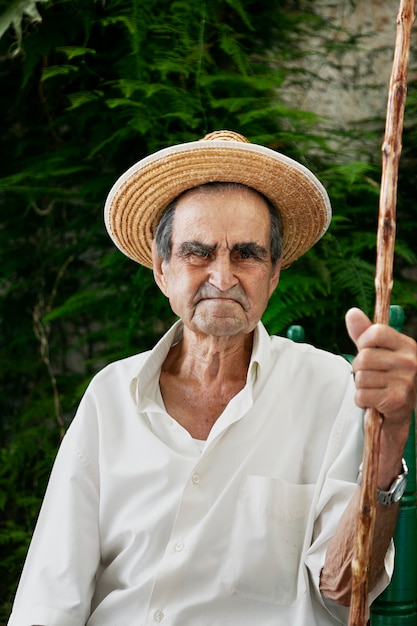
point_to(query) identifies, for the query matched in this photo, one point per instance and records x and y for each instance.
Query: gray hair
(163, 232)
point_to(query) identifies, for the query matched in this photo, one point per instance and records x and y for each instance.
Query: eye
(246, 254)
(247, 251)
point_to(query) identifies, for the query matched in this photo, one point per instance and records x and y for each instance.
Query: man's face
(220, 275)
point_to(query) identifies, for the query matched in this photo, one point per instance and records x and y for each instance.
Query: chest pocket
(268, 535)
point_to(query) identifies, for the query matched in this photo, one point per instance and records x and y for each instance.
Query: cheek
(261, 287)
(180, 288)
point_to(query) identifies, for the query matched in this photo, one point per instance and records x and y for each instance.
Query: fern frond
(357, 277)
(57, 70)
(72, 52)
(83, 97)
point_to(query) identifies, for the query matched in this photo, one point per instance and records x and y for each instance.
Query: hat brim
(139, 197)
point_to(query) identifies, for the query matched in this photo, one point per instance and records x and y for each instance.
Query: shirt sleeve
(58, 577)
(343, 457)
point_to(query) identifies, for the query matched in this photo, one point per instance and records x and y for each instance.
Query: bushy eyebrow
(246, 249)
(251, 249)
(195, 247)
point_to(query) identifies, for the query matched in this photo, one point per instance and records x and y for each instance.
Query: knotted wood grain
(391, 152)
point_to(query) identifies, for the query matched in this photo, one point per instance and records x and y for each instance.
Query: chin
(221, 328)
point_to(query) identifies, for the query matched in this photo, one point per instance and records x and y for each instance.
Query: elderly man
(213, 480)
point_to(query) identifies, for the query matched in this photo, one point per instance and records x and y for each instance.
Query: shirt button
(196, 479)
(179, 547)
(158, 616)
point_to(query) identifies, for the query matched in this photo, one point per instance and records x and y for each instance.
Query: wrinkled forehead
(216, 214)
(226, 189)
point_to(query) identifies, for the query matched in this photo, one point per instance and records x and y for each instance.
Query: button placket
(158, 616)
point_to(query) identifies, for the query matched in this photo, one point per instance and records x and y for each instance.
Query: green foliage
(97, 86)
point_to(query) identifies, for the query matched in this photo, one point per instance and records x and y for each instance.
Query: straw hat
(138, 198)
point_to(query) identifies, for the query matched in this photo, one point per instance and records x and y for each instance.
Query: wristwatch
(395, 492)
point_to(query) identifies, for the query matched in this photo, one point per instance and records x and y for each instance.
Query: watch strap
(396, 490)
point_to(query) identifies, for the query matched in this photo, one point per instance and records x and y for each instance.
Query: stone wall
(350, 63)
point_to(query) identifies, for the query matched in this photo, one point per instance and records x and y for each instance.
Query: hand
(385, 368)
(385, 371)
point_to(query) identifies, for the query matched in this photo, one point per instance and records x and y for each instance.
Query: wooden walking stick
(391, 151)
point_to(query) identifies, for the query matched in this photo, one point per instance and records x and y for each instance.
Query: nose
(222, 273)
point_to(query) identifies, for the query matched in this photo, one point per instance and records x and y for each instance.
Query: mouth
(208, 293)
(222, 303)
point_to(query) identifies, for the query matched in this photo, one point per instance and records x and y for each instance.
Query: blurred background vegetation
(90, 87)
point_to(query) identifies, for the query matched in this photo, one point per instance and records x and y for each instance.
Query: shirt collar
(260, 352)
(143, 386)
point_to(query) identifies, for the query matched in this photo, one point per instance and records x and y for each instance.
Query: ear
(274, 279)
(158, 269)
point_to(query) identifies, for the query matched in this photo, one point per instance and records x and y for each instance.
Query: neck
(207, 358)
(201, 375)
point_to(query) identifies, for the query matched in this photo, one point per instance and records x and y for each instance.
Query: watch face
(399, 490)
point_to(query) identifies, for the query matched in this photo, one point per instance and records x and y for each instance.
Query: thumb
(356, 323)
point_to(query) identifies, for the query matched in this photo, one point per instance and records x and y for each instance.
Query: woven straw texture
(139, 197)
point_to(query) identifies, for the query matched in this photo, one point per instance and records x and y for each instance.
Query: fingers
(385, 367)
(356, 323)
(366, 334)
(394, 399)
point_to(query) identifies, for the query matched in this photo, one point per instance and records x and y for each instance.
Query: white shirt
(141, 525)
